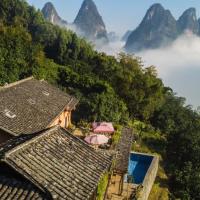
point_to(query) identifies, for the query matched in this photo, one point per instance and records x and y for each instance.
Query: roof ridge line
(16, 83)
(16, 148)
(83, 142)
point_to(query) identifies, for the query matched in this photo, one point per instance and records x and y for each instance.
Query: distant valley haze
(163, 36)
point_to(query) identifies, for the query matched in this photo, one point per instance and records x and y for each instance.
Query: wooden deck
(117, 189)
(113, 192)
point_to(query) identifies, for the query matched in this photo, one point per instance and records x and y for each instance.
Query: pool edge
(150, 176)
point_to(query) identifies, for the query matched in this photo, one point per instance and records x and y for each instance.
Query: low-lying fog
(178, 65)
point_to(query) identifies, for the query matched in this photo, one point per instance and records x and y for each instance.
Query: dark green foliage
(105, 85)
(102, 186)
(12, 9)
(109, 89)
(183, 153)
(98, 100)
(141, 89)
(182, 128)
(173, 115)
(18, 55)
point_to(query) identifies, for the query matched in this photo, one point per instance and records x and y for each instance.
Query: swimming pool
(138, 167)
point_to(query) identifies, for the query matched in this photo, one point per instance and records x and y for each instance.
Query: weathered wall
(4, 136)
(149, 179)
(64, 120)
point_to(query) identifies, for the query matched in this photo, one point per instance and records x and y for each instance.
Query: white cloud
(112, 48)
(179, 66)
(182, 54)
(75, 29)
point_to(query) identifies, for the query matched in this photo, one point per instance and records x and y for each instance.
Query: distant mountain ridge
(88, 22)
(159, 28)
(188, 21)
(126, 35)
(52, 16)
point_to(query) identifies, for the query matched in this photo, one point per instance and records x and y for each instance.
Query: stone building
(30, 105)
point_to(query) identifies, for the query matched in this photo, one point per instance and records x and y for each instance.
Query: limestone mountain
(126, 35)
(157, 27)
(90, 23)
(199, 26)
(112, 36)
(188, 22)
(52, 16)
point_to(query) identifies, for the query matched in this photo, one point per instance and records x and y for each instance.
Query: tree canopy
(111, 89)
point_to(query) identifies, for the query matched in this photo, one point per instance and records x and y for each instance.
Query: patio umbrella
(102, 127)
(96, 139)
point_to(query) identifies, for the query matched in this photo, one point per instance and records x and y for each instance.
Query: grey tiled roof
(31, 105)
(57, 161)
(14, 189)
(123, 150)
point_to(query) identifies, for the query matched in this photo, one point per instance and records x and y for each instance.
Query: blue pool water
(138, 167)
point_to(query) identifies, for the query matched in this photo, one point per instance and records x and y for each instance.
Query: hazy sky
(119, 15)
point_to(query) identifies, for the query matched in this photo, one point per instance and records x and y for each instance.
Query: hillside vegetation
(119, 90)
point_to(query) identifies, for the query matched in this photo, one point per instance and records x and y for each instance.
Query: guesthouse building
(31, 105)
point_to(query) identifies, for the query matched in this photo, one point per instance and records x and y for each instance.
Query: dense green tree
(140, 88)
(98, 99)
(18, 55)
(109, 88)
(184, 162)
(173, 115)
(181, 125)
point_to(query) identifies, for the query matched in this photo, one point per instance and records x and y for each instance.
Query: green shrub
(117, 134)
(102, 186)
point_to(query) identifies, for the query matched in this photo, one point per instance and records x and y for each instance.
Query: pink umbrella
(103, 127)
(96, 139)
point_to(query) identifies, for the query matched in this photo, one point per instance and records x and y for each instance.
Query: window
(45, 93)
(9, 114)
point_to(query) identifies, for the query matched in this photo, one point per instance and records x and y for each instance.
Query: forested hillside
(119, 90)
